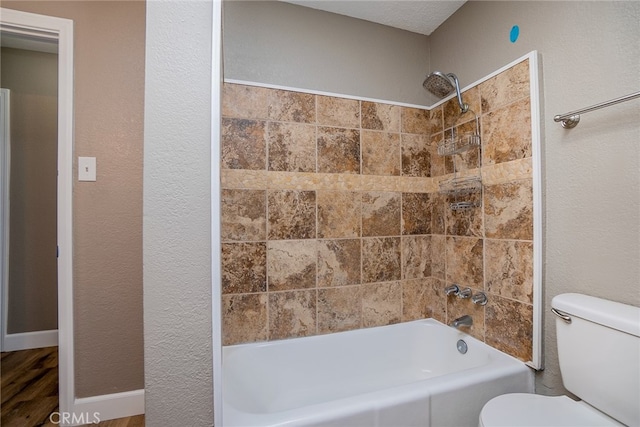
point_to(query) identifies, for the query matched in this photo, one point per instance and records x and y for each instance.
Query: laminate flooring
(29, 390)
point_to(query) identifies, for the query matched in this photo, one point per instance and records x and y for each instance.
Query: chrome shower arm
(463, 107)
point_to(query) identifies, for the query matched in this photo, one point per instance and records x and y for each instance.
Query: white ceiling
(418, 16)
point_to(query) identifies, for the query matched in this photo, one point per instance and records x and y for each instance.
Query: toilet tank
(599, 354)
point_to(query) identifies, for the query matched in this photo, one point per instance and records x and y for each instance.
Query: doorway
(39, 29)
(29, 86)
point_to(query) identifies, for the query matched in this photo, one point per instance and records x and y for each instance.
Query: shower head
(441, 85)
(438, 84)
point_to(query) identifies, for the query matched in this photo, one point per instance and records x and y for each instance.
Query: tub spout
(464, 321)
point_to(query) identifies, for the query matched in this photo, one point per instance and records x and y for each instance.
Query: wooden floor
(29, 390)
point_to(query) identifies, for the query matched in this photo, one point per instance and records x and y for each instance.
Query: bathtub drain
(462, 346)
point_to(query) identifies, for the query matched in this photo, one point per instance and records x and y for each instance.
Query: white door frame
(5, 163)
(60, 29)
(216, 251)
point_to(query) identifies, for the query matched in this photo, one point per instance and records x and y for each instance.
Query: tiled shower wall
(332, 220)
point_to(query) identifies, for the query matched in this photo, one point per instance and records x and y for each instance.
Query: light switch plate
(86, 168)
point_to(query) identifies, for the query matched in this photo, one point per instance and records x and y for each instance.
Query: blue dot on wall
(515, 32)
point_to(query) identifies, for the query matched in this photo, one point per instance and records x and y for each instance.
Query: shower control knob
(453, 289)
(480, 298)
(464, 293)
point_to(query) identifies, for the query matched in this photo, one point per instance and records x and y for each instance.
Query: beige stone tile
(416, 257)
(438, 163)
(292, 314)
(422, 299)
(377, 116)
(381, 214)
(416, 155)
(244, 102)
(340, 112)
(339, 214)
(381, 183)
(416, 213)
(508, 210)
(338, 182)
(505, 88)
(244, 214)
(292, 147)
(471, 97)
(338, 150)
(288, 106)
(506, 133)
(244, 267)
(291, 264)
(449, 166)
(339, 309)
(415, 120)
(439, 208)
(339, 262)
(244, 318)
(464, 261)
(293, 181)
(436, 121)
(424, 215)
(243, 144)
(471, 158)
(243, 179)
(381, 304)
(509, 171)
(409, 184)
(381, 260)
(415, 294)
(464, 222)
(292, 214)
(438, 256)
(509, 327)
(452, 114)
(509, 269)
(381, 153)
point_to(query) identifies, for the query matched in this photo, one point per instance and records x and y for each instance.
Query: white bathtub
(407, 374)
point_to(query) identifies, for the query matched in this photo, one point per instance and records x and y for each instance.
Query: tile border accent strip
(269, 180)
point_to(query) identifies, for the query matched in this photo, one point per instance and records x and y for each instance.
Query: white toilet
(599, 354)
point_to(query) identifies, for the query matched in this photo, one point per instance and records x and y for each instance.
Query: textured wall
(592, 172)
(107, 214)
(33, 272)
(332, 218)
(290, 45)
(177, 209)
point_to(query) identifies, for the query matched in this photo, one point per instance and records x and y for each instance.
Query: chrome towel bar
(570, 120)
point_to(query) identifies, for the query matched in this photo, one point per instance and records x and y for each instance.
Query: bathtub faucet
(465, 321)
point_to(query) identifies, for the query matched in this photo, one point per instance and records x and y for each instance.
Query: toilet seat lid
(522, 409)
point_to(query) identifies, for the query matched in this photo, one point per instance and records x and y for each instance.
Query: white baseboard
(28, 340)
(110, 406)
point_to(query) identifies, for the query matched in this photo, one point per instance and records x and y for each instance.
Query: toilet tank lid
(615, 315)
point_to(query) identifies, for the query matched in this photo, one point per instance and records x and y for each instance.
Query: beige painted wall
(33, 281)
(589, 53)
(290, 45)
(108, 94)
